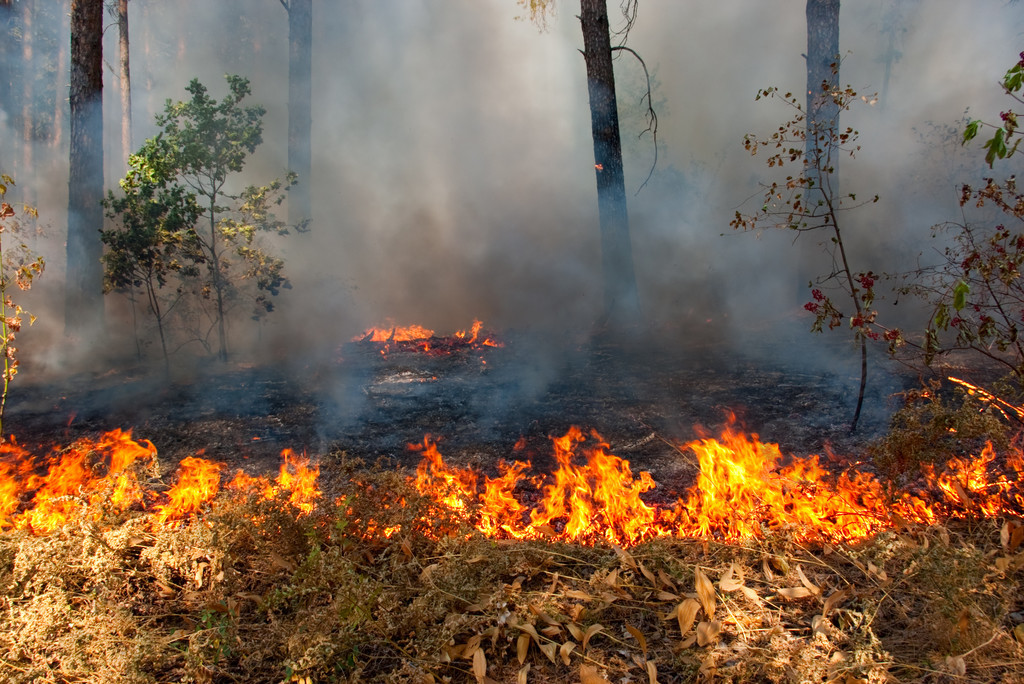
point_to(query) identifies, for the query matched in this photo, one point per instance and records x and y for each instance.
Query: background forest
(451, 170)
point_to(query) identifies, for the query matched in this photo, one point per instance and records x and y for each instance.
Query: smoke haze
(453, 160)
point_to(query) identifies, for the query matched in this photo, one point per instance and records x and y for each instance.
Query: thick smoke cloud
(453, 161)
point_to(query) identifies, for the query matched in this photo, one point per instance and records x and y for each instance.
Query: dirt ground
(646, 399)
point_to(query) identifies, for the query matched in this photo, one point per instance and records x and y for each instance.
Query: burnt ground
(645, 400)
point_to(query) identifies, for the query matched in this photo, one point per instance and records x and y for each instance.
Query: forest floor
(263, 589)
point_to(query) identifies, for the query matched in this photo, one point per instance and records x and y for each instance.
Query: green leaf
(996, 147)
(960, 292)
(971, 131)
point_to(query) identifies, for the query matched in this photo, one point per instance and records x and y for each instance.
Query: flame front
(744, 489)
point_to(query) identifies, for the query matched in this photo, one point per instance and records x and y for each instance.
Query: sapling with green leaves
(975, 293)
(20, 265)
(192, 164)
(807, 201)
(154, 238)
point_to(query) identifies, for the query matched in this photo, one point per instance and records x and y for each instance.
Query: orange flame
(87, 472)
(101, 473)
(743, 491)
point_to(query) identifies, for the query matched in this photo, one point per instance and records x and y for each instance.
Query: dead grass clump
(929, 429)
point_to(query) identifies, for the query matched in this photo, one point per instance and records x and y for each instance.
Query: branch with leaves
(22, 265)
(807, 202)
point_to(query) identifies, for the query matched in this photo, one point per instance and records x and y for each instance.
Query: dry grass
(254, 592)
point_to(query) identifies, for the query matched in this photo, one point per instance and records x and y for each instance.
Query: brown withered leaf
(164, 589)
(650, 576)
(549, 649)
(794, 592)
(1018, 633)
(281, 562)
(638, 635)
(707, 632)
(625, 556)
(686, 613)
(667, 596)
(576, 631)
(652, 672)
(589, 634)
(836, 598)
(705, 592)
(521, 675)
(727, 582)
(539, 612)
(551, 630)
(427, 572)
(531, 630)
(565, 650)
(811, 586)
(479, 664)
(578, 595)
(522, 647)
(590, 675)
(471, 646)
(819, 625)
(666, 580)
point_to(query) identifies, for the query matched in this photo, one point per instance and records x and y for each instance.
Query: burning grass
(393, 578)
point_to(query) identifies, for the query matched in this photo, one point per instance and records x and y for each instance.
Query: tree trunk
(26, 175)
(83, 314)
(300, 118)
(125, 83)
(822, 119)
(621, 302)
(822, 110)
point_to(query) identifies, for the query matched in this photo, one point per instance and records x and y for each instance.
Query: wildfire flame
(745, 489)
(94, 472)
(418, 338)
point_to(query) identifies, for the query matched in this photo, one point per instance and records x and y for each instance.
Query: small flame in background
(745, 489)
(419, 339)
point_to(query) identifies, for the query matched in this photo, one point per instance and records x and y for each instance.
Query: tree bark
(28, 130)
(822, 110)
(83, 314)
(621, 302)
(125, 81)
(300, 118)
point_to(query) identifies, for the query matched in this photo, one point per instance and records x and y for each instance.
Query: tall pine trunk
(28, 64)
(125, 81)
(822, 119)
(822, 109)
(83, 314)
(621, 302)
(300, 118)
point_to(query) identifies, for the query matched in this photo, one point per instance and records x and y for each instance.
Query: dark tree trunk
(822, 119)
(300, 118)
(28, 95)
(83, 314)
(621, 302)
(125, 81)
(822, 77)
